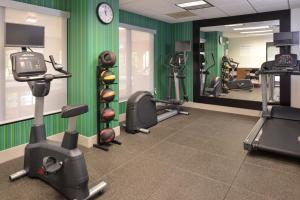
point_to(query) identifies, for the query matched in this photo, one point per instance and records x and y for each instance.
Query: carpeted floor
(196, 157)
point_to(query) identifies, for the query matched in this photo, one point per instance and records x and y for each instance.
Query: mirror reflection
(231, 55)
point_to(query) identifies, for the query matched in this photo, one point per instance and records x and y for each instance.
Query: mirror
(230, 57)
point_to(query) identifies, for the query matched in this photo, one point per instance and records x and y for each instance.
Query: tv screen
(181, 46)
(22, 35)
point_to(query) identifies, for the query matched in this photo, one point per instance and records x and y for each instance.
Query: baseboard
(225, 109)
(18, 151)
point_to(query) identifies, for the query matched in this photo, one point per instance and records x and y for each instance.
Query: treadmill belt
(281, 136)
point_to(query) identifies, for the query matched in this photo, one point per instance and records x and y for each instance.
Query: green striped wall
(18, 133)
(122, 107)
(87, 38)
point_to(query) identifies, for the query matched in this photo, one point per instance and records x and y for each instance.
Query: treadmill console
(282, 62)
(286, 60)
(26, 64)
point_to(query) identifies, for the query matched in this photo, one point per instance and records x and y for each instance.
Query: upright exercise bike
(61, 165)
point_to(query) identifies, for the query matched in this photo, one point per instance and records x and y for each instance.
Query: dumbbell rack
(100, 86)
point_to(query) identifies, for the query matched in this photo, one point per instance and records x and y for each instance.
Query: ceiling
(229, 32)
(158, 9)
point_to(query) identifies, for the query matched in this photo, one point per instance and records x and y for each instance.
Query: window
(16, 100)
(136, 60)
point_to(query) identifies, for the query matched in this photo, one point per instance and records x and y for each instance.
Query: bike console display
(26, 64)
(31, 66)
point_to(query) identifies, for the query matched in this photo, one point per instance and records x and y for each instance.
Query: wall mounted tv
(22, 35)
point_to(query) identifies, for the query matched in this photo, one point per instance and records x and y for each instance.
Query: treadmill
(278, 129)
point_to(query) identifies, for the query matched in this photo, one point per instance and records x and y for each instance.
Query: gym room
(149, 100)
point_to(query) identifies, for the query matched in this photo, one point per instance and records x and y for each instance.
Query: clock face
(105, 13)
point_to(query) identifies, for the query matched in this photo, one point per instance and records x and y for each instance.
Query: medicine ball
(107, 95)
(107, 59)
(108, 77)
(107, 135)
(107, 114)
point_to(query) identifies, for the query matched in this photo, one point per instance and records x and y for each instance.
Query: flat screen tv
(181, 46)
(22, 35)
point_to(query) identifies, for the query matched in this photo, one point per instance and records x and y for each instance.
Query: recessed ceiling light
(251, 28)
(193, 5)
(261, 34)
(232, 25)
(262, 31)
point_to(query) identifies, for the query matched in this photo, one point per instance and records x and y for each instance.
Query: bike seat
(74, 110)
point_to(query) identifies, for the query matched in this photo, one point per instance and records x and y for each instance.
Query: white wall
(2, 69)
(250, 52)
(295, 85)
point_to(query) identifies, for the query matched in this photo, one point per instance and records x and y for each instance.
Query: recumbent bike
(61, 165)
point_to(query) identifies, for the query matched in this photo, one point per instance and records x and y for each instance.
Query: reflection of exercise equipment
(61, 165)
(277, 130)
(141, 112)
(229, 81)
(215, 87)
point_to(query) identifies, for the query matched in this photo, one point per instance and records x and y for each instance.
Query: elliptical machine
(215, 87)
(61, 165)
(141, 112)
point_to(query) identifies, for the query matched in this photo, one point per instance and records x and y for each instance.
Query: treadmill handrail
(248, 142)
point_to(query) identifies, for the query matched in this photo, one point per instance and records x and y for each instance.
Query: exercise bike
(142, 110)
(215, 87)
(61, 165)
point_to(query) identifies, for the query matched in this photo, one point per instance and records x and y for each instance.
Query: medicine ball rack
(103, 131)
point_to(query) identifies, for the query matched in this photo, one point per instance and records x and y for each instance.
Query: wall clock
(105, 13)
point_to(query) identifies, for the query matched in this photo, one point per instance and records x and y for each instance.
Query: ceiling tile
(269, 5)
(237, 9)
(233, 7)
(157, 6)
(158, 9)
(295, 3)
(207, 13)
